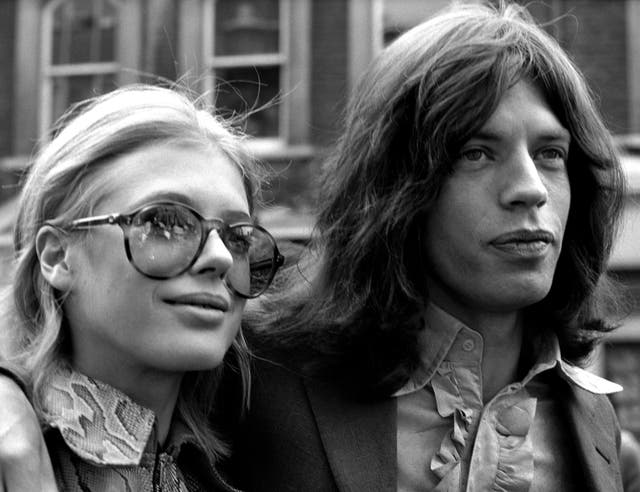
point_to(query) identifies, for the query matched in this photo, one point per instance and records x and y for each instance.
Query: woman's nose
(214, 257)
(522, 184)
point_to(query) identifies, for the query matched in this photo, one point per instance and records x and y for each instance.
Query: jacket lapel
(359, 439)
(596, 441)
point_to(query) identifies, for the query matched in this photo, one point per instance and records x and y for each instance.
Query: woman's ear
(52, 249)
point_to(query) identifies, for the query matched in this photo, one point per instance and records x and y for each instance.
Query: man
(430, 338)
(457, 280)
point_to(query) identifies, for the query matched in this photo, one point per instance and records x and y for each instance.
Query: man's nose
(214, 257)
(522, 184)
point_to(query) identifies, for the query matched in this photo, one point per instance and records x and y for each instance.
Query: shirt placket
(458, 392)
(502, 442)
(166, 475)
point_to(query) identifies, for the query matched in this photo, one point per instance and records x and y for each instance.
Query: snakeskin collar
(103, 425)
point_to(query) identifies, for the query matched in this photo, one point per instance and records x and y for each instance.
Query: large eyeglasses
(163, 240)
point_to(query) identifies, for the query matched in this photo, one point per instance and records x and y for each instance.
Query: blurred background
(298, 59)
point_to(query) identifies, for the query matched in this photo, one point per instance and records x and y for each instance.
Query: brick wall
(594, 33)
(328, 68)
(7, 36)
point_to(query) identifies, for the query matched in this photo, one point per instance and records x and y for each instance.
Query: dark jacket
(308, 436)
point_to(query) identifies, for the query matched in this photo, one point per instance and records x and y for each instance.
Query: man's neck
(502, 346)
(502, 335)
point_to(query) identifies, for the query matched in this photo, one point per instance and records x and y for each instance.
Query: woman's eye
(239, 242)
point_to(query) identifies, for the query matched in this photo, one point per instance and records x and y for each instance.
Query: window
(246, 59)
(633, 60)
(375, 24)
(398, 17)
(254, 55)
(244, 53)
(82, 53)
(623, 366)
(78, 53)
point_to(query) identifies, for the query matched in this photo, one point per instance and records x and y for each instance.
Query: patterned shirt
(448, 439)
(101, 440)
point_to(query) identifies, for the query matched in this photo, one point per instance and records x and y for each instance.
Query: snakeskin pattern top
(101, 440)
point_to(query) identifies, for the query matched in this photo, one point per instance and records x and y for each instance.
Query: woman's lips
(199, 309)
(200, 299)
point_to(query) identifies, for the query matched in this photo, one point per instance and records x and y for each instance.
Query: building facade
(290, 64)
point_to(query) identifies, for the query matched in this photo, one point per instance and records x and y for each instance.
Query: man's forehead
(523, 108)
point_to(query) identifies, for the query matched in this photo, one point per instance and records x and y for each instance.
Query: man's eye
(473, 154)
(551, 154)
(552, 157)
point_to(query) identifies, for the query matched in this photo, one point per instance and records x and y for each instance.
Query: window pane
(240, 90)
(159, 49)
(69, 90)
(84, 32)
(402, 16)
(623, 366)
(246, 27)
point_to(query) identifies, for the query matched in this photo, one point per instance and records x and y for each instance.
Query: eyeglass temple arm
(96, 221)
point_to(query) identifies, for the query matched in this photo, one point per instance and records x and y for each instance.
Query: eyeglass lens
(165, 239)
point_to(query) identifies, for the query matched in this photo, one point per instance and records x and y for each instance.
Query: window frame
(280, 59)
(196, 58)
(29, 117)
(633, 63)
(127, 55)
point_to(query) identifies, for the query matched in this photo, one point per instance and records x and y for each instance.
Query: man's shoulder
(275, 389)
(268, 373)
(279, 447)
(593, 407)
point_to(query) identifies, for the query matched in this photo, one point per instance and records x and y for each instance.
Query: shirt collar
(442, 330)
(435, 341)
(103, 425)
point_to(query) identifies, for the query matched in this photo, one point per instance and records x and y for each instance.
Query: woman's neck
(157, 391)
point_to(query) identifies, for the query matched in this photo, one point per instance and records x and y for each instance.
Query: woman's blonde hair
(63, 183)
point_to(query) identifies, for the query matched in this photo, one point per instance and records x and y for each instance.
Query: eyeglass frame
(124, 221)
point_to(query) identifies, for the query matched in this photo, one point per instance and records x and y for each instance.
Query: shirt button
(468, 345)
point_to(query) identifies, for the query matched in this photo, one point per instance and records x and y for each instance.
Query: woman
(136, 254)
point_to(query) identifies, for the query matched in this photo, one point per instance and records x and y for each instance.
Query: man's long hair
(352, 308)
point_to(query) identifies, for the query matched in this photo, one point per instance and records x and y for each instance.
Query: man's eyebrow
(555, 134)
(548, 134)
(484, 134)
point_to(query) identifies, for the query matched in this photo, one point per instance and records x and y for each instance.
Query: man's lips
(200, 299)
(524, 236)
(524, 242)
